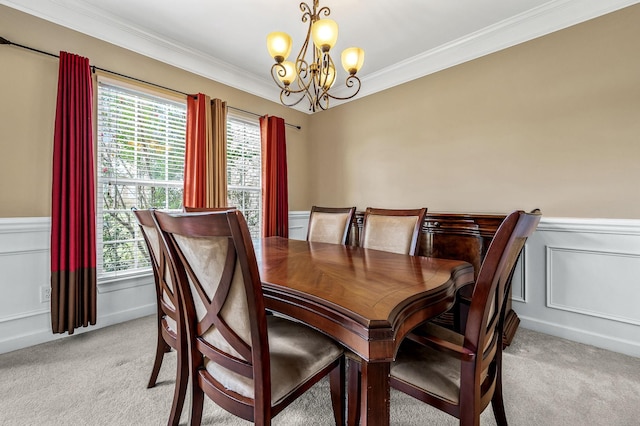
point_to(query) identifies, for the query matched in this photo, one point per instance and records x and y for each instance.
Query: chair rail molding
(588, 225)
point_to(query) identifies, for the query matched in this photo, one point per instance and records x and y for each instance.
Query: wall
(28, 85)
(552, 123)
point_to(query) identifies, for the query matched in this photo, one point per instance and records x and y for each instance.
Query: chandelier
(312, 79)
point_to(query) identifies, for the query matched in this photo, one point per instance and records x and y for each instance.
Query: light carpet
(100, 377)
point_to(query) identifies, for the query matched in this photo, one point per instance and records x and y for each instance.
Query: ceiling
(225, 40)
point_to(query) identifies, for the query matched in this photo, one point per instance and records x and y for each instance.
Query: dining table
(367, 300)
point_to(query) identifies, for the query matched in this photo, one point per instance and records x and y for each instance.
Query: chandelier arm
(278, 69)
(325, 65)
(304, 94)
(349, 82)
(304, 78)
(313, 79)
(285, 94)
(307, 12)
(324, 10)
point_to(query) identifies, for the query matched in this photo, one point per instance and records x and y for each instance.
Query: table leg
(374, 402)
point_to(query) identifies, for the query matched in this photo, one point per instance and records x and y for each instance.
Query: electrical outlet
(45, 294)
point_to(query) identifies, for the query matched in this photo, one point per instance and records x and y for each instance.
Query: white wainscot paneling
(518, 290)
(25, 269)
(298, 224)
(594, 282)
(580, 282)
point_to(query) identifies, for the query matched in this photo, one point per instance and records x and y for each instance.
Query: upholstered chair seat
(297, 353)
(434, 371)
(428, 369)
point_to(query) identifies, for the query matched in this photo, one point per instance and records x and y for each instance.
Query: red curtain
(205, 162)
(195, 165)
(275, 193)
(73, 228)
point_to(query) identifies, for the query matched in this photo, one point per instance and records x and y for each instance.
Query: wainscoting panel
(298, 224)
(581, 282)
(594, 282)
(518, 289)
(25, 318)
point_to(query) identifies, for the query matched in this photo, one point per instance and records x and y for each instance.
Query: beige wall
(28, 84)
(553, 123)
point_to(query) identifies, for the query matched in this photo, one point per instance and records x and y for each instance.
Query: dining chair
(247, 362)
(170, 331)
(330, 224)
(393, 230)
(206, 209)
(461, 374)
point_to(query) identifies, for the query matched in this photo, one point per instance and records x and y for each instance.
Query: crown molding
(552, 16)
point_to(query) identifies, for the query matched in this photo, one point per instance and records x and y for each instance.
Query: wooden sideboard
(461, 236)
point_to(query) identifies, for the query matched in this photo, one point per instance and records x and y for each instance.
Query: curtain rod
(5, 41)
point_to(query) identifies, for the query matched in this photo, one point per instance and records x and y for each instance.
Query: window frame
(143, 276)
(112, 281)
(250, 121)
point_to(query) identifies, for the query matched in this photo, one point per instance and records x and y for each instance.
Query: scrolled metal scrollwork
(315, 78)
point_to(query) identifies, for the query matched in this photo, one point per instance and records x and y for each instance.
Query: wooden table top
(369, 292)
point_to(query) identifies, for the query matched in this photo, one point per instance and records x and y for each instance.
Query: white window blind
(141, 147)
(244, 170)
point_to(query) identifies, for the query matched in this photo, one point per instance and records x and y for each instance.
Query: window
(141, 140)
(141, 148)
(244, 170)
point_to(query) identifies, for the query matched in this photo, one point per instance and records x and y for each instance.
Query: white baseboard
(615, 344)
(38, 327)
